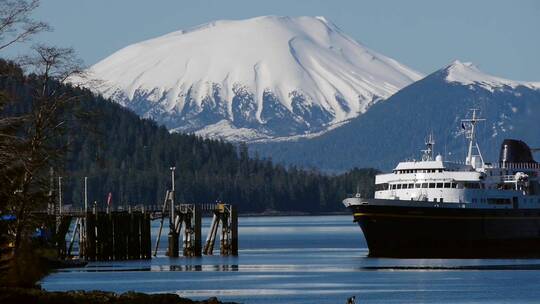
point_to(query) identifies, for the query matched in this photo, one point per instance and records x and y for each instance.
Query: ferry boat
(432, 208)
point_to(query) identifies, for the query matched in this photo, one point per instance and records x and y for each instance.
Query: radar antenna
(469, 125)
(428, 152)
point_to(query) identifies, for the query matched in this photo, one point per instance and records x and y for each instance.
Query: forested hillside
(130, 157)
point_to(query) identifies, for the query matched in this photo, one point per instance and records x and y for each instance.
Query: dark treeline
(130, 157)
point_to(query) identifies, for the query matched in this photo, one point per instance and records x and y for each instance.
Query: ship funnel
(515, 151)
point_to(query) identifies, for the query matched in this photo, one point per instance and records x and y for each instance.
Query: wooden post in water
(82, 237)
(234, 231)
(90, 249)
(108, 236)
(146, 238)
(224, 238)
(131, 236)
(211, 238)
(76, 230)
(197, 230)
(173, 233)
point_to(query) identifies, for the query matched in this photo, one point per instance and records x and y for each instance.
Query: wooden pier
(126, 235)
(113, 235)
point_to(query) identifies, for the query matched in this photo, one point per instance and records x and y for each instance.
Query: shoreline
(38, 296)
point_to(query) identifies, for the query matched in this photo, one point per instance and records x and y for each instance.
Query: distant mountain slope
(253, 79)
(395, 129)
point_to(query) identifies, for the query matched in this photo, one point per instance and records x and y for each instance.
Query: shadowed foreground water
(312, 259)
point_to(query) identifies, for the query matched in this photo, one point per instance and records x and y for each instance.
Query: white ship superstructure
(471, 184)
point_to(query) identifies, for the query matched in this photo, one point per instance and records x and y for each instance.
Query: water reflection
(219, 267)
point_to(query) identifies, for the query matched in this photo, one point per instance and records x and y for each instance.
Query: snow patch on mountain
(468, 74)
(264, 77)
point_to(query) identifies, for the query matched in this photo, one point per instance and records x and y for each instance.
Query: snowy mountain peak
(266, 77)
(467, 73)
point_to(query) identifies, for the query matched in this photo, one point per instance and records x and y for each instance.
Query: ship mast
(470, 135)
(428, 152)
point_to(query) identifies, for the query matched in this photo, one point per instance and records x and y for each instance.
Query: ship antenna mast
(470, 135)
(428, 152)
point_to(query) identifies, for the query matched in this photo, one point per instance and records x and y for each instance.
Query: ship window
(399, 186)
(424, 185)
(411, 186)
(472, 185)
(460, 186)
(453, 185)
(499, 201)
(381, 187)
(439, 185)
(417, 185)
(441, 199)
(440, 170)
(435, 200)
(432, 185)
(393, 187)
(447, 185)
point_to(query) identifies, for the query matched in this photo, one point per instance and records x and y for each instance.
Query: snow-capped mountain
(261, 78)
(467, 73)
(395, 129)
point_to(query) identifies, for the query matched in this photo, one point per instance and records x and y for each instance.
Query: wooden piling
(146, 237)
(197, 230)
(210, 239)
(132, 236)
(224, 237)
(234, 231)
(90, 236)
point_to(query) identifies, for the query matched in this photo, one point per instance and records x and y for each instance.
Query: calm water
(315, 259)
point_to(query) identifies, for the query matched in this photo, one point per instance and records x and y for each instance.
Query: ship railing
(529, 166)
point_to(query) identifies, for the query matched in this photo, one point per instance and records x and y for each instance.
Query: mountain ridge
(468, 73)
(395, 130)
(275, 76)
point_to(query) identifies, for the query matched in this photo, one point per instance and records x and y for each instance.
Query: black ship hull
(434, 232)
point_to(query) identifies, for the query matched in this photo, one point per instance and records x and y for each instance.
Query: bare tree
(30, 142)
(41, 147)
(16, 25)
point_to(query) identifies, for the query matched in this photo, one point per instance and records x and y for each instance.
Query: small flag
(109, 199)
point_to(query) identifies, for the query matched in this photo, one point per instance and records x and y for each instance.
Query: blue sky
(500, 37)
